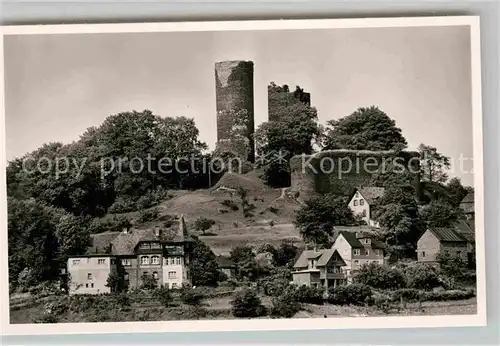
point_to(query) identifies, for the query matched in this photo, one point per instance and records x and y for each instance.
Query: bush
(191, 296)
(230, 204)
(246, 303)
(164, 295)
(285, 305)
(356, 294)
(407, 294)
(423, 276)
(149, 215)
(122, 205)
(379, 276)
(277, 282)
(310, 295)
(449, 295)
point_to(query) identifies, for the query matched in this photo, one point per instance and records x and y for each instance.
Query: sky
(56, 86)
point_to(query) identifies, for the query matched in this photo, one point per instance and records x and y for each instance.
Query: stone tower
(235, 108)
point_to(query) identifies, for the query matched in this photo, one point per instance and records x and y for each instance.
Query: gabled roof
(447, 234)
(100, 243)
(370, 193)
(327, 255)
(467, 204)
(353, 240)
(124, 243)
(305, 256)
(466, 228)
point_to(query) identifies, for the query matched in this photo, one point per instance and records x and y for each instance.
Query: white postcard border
(478, 319)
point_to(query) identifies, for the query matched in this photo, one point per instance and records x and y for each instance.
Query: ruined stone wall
(340, 171)
(234, 100)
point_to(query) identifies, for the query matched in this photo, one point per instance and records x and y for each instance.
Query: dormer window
(367, 241)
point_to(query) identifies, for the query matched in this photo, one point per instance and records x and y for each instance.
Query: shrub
(273, 209)
(277, 282)
(423, 276)
(246, 303)
(310, 295)
(407, 295)
(122, 299)
(285, 305)
(449, 295)
(203, 224)
(379, 276)
(148, 282)
(164, 295)
(122, 205)
(149, 215)
(230, 204)
(191, 296)
(356, 294)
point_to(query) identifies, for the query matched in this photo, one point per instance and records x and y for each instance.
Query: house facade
(358, 248)
(442, 240)
(362, 203)
(160, 254)
(467, 206)
(319, 268)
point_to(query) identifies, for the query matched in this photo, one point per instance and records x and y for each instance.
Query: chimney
(125, 230)
(157, 231)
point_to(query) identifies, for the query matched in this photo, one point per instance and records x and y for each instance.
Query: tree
(285, 254)
(246, 303)
(246, 265)
(378, 276)
(285, 305)
(439, 213)
(397, 213)
(457, 191)
(116, 282)
(317, 218)
(148, 282)
(203, 224)
(433, 164)
(365, 129)
(203, 265)
(292, 129)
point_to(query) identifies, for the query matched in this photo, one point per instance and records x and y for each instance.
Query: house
(319, 268)
(467, 206)
(363, 202)
(436, 240)
(358, 248)
(226, 266)
(161, 254)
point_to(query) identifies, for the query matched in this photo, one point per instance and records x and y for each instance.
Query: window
(145, 246)
(155, 260)
(76, 262)
(423, 253)
(357, 194)
(126, 262)
(92, 285)
(361, 202)
(355, 202)
(178, 260)
(356, 262)
(458, 253)
(155, 246)
(172, 275)
(155, 275)
(363, 213)
(89, 276)
(174, 285)
(367, 252)
(144, 273)
(101, 261)
(86, 285)
(113, 261)
(171, 261)
(377, 252)
(357, 252)
(125, 277)
(366, 241)
(144, 260)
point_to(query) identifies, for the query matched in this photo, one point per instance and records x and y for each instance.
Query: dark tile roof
(224, 262)
(124, 243)
(371, 193)
(447, 234)
(466, 228)
(353, 239)
(305, 256)
(100, 243)
(467, 204)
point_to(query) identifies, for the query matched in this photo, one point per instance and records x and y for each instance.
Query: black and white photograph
(295, 174)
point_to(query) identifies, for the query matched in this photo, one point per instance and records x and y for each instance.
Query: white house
(362, 203)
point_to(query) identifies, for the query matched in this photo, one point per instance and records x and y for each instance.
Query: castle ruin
(235, 108)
